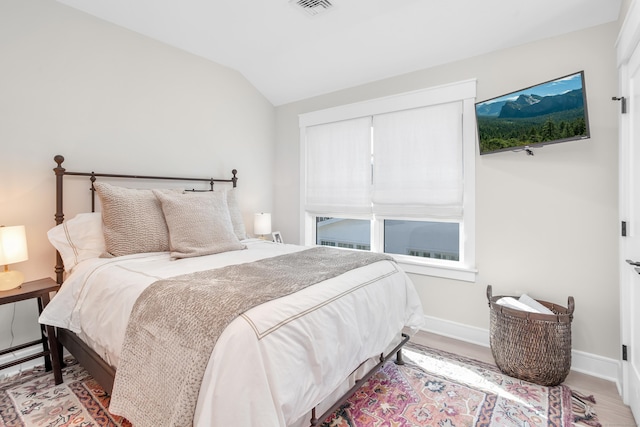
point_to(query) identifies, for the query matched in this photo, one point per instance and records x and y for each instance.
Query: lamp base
(10, 280)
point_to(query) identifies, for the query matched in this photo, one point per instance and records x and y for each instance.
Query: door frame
(628, 42)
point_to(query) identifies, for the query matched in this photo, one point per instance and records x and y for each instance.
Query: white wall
(624, 8)
(546, 224)
(111, 100)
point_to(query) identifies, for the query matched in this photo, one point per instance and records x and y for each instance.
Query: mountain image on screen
(534, 116)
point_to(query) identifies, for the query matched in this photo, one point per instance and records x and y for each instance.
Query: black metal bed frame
(100, 369)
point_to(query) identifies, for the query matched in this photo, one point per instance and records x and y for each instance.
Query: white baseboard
(459, 331)
(25, 366)
(587, 363)
(29, 364)
(597, 366)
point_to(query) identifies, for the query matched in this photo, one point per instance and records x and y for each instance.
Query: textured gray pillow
(133, 221)
(199, 223)
(236, 215)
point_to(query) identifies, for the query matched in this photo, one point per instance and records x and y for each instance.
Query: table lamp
(13, 249)
(262, 224)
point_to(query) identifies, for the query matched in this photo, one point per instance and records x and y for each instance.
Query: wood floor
(609, 408)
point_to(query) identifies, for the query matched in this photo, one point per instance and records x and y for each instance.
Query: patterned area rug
(32, 399)
(440, 389)
(433, 388)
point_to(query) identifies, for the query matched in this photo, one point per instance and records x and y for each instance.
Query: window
(343, 233)
(395, 175)
(426, 239)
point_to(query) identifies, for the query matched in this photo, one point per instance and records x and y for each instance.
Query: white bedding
(274, 363)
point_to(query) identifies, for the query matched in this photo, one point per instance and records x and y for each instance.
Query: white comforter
(278, 360)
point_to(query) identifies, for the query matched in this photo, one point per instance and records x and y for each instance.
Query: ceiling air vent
(312, 7)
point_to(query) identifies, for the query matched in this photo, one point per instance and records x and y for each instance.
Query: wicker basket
(530, 346)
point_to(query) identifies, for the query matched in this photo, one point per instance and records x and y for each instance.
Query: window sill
(446, 272)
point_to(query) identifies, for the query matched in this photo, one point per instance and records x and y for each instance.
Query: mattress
(274, 363)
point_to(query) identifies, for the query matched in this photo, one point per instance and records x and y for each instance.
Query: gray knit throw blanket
(176, 322)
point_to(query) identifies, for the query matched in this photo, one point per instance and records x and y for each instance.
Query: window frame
(464, 92)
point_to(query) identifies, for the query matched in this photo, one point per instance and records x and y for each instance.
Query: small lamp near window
(13, 249)
(262, 224)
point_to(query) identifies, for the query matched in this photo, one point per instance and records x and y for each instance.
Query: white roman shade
(402, 164)
(338, 167)
(409, 158)
(418, 164)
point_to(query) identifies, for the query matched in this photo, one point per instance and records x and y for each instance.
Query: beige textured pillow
(199, 223)
(133, 221)
(236, 215)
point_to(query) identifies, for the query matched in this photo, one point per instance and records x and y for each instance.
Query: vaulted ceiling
(295, 49)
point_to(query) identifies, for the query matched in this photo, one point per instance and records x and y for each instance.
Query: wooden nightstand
(36, 289)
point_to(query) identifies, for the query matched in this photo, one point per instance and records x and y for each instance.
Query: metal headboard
(60, 172)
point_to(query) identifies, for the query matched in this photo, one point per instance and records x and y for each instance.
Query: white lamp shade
(262, 223)
(13, 245)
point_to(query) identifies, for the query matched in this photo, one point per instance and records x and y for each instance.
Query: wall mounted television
(547, 113)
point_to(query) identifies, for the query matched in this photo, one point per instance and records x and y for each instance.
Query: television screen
(550, 112)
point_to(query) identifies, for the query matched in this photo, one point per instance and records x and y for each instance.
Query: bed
(299, 336)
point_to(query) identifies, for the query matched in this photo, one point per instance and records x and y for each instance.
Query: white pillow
(236, 215)
(199, 223)
(78, 239)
